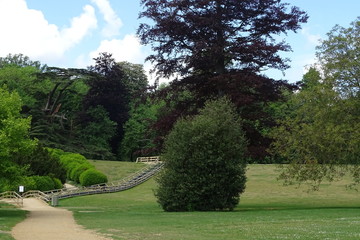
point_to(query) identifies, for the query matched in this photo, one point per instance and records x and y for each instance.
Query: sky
(70, 33)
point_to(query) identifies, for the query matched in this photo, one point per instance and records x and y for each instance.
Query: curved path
(44, 223)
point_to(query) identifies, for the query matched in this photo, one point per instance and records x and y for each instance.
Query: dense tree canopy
(218, 48)
(319, 131)
(318, 134)
(108, 90)
(213, 36)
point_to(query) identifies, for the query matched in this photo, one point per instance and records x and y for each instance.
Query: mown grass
(267, 210)
(116, 170)
(9, 217)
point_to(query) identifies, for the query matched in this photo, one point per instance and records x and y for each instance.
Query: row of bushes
(42, 183)
(78, 169)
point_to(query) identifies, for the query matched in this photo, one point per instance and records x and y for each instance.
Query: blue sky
(69, 33)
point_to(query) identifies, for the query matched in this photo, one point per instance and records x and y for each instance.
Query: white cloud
(26, 31)
(313, 39)
(113, 22)
(80, 26)
(126, 49)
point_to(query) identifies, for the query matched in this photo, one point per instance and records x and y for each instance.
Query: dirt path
(45, 223)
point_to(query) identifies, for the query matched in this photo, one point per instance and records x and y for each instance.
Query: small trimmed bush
(91, 177)
(75, 165)
(78, 170)
(57, 183)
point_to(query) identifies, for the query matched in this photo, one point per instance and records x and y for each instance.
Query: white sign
(21, 189)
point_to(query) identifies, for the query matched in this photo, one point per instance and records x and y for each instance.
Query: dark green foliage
(96, 132)
(92, 177)
(42, 183)
(138, 137)
(108, 90)
(41, 162)
(135, 79)
(204, 161)
(57, 183)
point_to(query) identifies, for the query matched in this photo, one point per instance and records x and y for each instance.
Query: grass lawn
(267, 210)
(9, 217)
(116, 170)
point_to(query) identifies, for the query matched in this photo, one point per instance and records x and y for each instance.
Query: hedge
(42, 183)
(75, 165)
(92, 177)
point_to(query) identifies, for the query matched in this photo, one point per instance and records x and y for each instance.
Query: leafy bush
(75, 165)
(57, 183)
(204, 161)
(41, 162)
(29, 183)
(78, 170)
(42, 183)
(91, 177)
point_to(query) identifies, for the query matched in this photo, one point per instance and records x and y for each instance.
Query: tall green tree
(14, 136)
(339, 56)
(135, 79)
(108, 90)
(139, 135)
(204, 161)
(318, 134)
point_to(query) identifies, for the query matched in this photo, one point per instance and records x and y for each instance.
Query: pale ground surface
(48, 223)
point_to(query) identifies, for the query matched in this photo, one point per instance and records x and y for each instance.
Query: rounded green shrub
(42, 183)
(57, 183)
(91, 177)
(205, 161)
(77, 170)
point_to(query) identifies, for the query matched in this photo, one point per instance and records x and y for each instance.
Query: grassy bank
(267, 210)
(9, 217)
(116, 170)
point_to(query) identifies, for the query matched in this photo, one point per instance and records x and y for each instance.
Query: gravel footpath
(48, 223)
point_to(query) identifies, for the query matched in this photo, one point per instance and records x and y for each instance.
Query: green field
(116, 170)
(267, 210)
(9, 216)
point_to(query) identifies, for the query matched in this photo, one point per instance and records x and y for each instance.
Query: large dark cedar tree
(219, 48)
(197, 36)
(108, 90)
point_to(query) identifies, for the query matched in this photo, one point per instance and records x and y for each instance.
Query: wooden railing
(127, 183)
(13, 197)
(37, 194)
(153, 159)
(124, 184)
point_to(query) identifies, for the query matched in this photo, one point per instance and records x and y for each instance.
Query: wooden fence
(12, 197)
(153, 159)
(124, 184)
